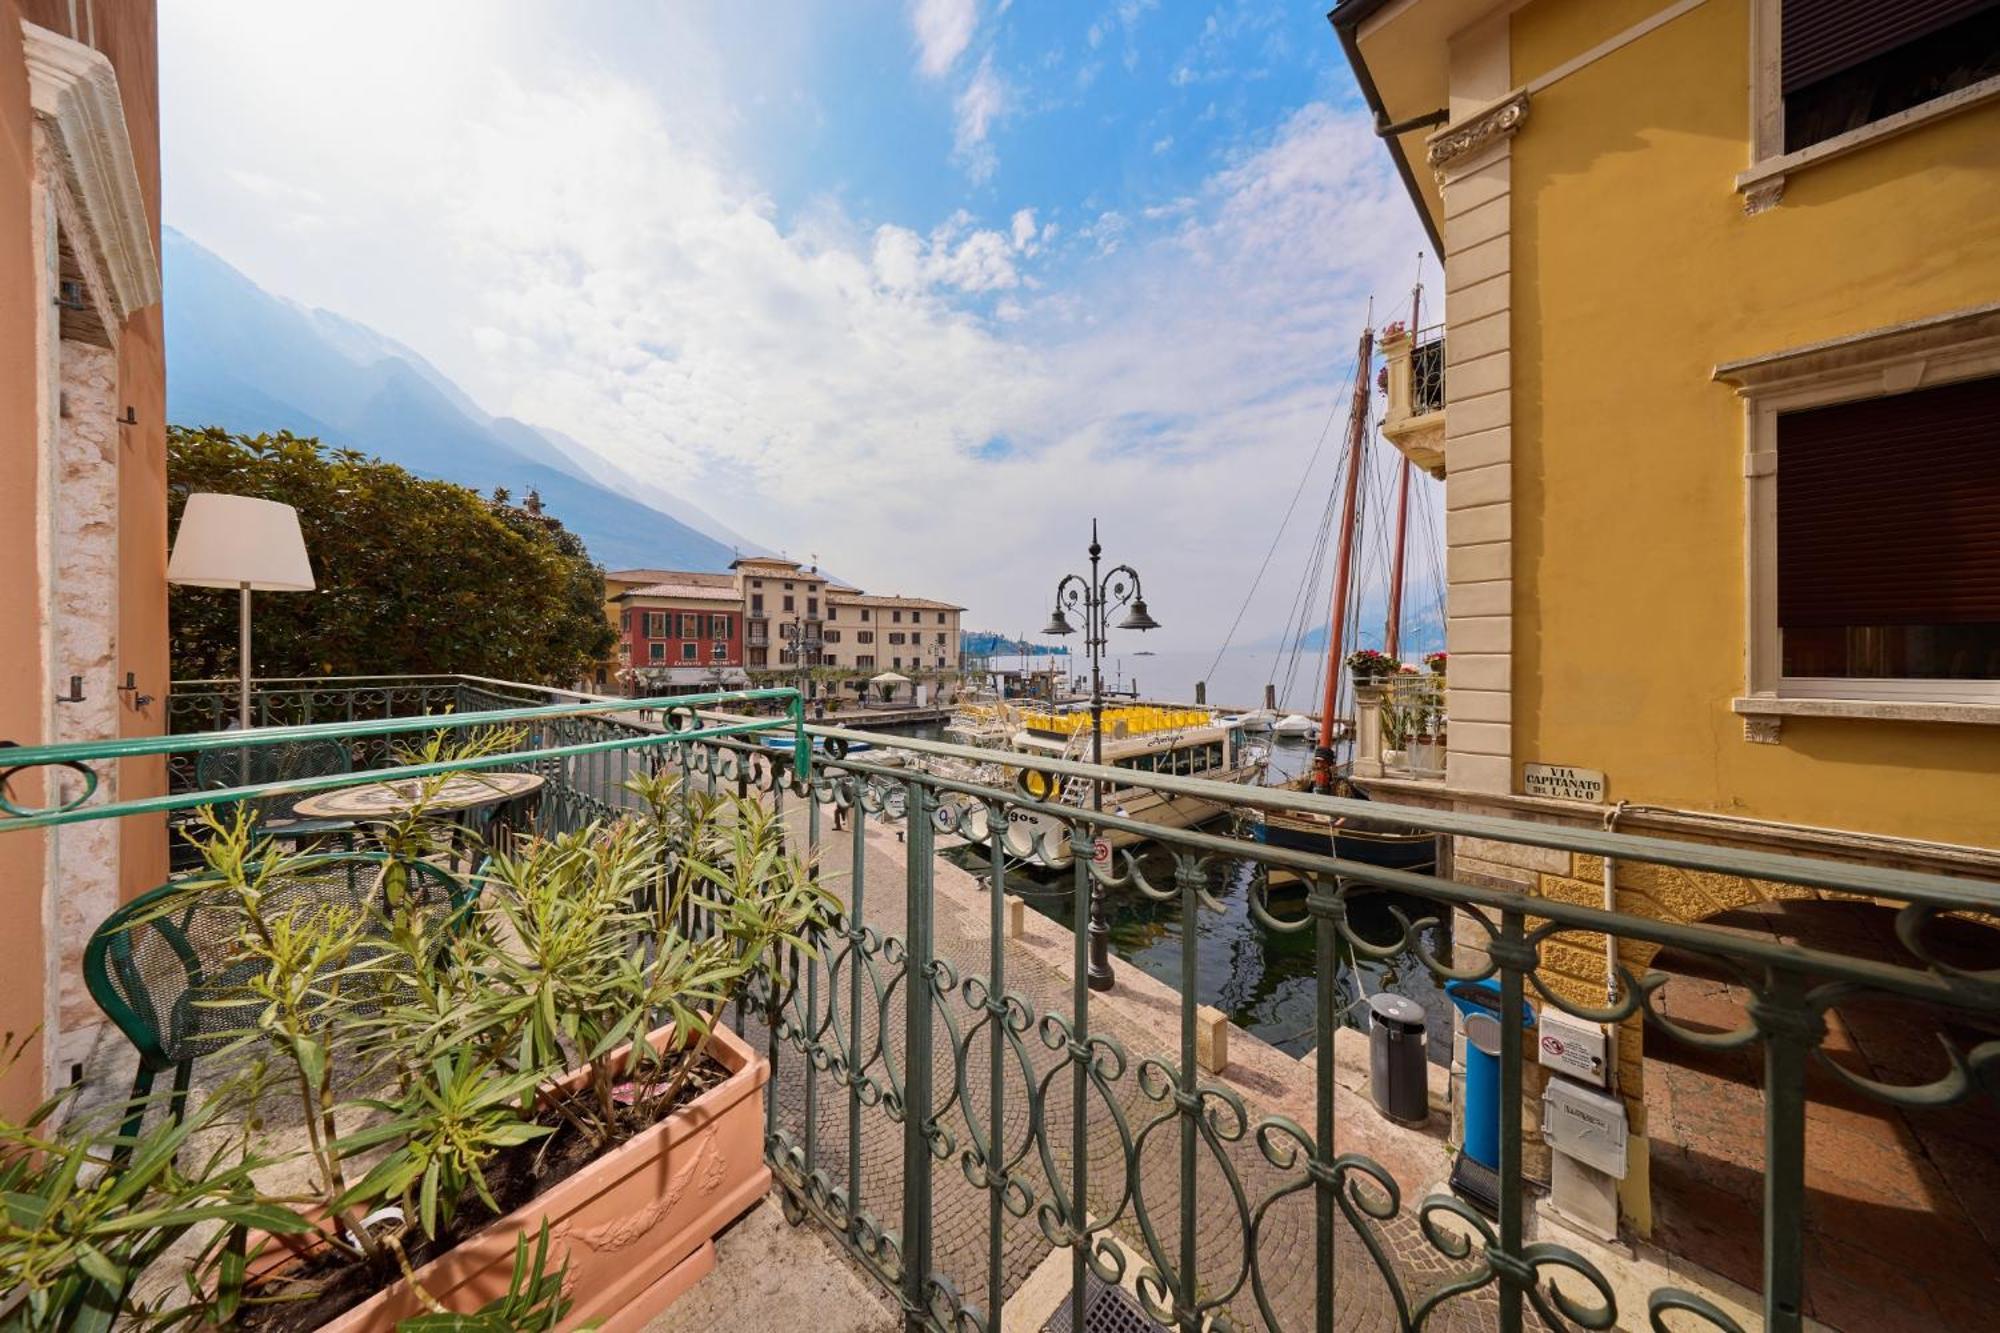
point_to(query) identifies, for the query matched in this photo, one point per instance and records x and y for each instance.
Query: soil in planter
(325, 1285)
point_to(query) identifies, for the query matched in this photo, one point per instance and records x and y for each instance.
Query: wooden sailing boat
(1375, 842)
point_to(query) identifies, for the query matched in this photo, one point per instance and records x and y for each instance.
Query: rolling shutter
(1821, 38)
(1889, 510)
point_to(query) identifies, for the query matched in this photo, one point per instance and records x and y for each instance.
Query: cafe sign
(1560, 782)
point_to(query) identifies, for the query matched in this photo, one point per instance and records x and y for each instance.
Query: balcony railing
(924, 1108)
(1400, 726)
(1414, 380)
(1427, 371)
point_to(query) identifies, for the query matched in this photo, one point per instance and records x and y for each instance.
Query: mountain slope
(242, 359)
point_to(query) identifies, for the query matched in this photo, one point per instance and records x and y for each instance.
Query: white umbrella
(889, 678)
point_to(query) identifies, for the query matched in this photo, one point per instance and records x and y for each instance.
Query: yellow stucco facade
(1636, 270)
(1621, 233)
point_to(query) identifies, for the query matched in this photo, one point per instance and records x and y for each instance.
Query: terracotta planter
(637, 1225)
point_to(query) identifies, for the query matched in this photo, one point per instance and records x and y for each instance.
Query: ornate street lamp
(1096, 597)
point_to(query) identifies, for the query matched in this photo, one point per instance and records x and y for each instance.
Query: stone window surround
(1762, 184)
(74, 93)
(1918, 354)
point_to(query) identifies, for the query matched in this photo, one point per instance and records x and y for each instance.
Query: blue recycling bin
(1479, 1002)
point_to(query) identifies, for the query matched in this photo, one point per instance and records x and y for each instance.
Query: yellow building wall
(1635, 270)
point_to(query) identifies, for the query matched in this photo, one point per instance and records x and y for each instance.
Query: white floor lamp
(241, 542)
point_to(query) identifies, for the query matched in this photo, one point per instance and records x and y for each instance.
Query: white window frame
(1921, 354)
(1762, 184)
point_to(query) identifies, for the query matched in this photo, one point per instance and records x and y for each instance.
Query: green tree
(415, 576)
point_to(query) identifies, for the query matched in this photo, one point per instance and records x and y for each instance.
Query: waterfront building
(877, 632)
(83, 508)
(790, 617)
(784, 606)
(1714, 391)
(675, 637)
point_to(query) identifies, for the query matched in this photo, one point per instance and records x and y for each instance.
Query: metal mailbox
(1585, 1124)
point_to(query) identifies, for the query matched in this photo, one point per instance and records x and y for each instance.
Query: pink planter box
(637, 1225)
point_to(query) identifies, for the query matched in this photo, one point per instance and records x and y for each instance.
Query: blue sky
(919, 287)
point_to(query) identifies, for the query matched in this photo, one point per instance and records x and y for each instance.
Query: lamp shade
(226, 541)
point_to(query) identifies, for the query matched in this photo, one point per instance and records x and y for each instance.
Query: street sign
(1561, 782)
(1100, 852)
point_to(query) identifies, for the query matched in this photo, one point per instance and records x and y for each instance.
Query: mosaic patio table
(460, 795)
(385, 800)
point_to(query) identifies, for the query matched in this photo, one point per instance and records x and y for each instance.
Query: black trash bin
(1397, 1065)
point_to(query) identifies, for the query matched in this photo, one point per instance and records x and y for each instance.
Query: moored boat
(1143, 738)
(1294, 725)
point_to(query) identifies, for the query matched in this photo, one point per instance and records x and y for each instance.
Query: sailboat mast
(1392, 635)
(1343, 569)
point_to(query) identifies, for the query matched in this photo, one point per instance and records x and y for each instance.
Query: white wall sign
(1572, 1046)
(1561, 782)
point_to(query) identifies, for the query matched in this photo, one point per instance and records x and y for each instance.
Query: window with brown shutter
(1848, 63)
(1888, 543)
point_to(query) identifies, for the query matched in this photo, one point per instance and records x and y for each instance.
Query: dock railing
(903, 1077)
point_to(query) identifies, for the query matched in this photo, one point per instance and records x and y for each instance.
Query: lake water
(1264, 980)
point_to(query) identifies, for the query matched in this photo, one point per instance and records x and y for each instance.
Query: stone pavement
(1902, 1206)
(772, 1275)
(1236, 1176)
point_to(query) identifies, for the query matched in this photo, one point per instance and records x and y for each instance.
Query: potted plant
(548, 1061)
(1368, 665)
(1436, 662)
(88, 1209)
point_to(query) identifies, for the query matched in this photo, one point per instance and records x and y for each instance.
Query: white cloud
(956, 255)
(1022, 230)
(828, 383)
(980, 103)
(943, 29)
(1163, 143)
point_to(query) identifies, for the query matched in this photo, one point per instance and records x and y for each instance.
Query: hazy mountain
(243, 359)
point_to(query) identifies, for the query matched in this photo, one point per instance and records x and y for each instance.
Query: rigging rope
(1297, 492)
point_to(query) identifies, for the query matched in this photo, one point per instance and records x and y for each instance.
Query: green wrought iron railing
(954, 1117)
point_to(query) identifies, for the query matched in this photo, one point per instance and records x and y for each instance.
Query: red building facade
(682, 635)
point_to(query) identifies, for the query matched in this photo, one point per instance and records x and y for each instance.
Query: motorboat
(1294, 725)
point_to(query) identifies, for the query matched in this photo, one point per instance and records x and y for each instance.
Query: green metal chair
(166, 971)
(285, 761)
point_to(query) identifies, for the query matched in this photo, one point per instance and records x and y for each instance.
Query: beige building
(784, 603)
(873, 632)
(790, 610)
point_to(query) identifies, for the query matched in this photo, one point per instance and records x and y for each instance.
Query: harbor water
(1262, 979)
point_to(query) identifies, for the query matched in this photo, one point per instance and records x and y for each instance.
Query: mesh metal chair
(166, 967)
(285, 761)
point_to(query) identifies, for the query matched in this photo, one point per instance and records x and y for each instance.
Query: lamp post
(1097, 596)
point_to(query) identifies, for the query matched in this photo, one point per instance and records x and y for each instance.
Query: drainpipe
(1611, 905)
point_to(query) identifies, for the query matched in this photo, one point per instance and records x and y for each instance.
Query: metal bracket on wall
(75, 695)
(131, 689)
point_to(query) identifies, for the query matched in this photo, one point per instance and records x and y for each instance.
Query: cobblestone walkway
(962, 1053)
